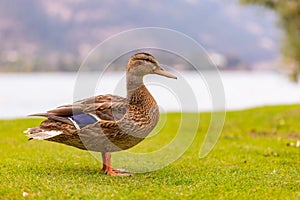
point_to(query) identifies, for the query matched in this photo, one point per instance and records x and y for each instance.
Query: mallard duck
(107, 123)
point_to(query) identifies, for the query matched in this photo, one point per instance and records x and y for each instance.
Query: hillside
(58, 34)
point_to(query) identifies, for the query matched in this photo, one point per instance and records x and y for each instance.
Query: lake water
(23, 94)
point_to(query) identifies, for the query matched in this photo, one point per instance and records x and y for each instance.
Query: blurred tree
(289, 20)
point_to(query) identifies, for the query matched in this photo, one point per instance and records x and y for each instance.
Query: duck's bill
(164, 73)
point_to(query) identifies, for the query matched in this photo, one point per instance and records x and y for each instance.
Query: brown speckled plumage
(124, 121)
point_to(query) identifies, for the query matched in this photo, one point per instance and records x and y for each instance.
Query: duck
(107, 123)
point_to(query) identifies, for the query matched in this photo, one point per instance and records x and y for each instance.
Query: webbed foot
(109, 170)
(117, 172)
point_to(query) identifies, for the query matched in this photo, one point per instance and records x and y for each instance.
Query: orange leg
(107, 168)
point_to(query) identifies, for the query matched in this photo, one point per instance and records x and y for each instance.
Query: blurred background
(255, 43)
(40, 35)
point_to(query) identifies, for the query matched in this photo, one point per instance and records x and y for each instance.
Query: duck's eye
(148, 60)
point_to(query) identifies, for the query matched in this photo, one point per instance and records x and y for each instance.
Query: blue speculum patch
(83, 119)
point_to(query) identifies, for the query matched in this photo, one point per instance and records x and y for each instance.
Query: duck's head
(141, 64)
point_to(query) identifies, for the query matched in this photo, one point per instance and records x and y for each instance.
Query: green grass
(255, 158)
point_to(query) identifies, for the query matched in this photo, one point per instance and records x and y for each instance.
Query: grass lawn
(256, 157)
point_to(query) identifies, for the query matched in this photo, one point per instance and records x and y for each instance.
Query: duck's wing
(106, 107)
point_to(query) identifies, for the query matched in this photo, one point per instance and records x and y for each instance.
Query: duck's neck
(133, 83)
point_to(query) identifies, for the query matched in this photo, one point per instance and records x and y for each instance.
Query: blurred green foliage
(289, 20)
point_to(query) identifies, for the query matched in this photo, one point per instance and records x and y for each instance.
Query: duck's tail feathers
(39, 115)
(53, 117)
(41, 134)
